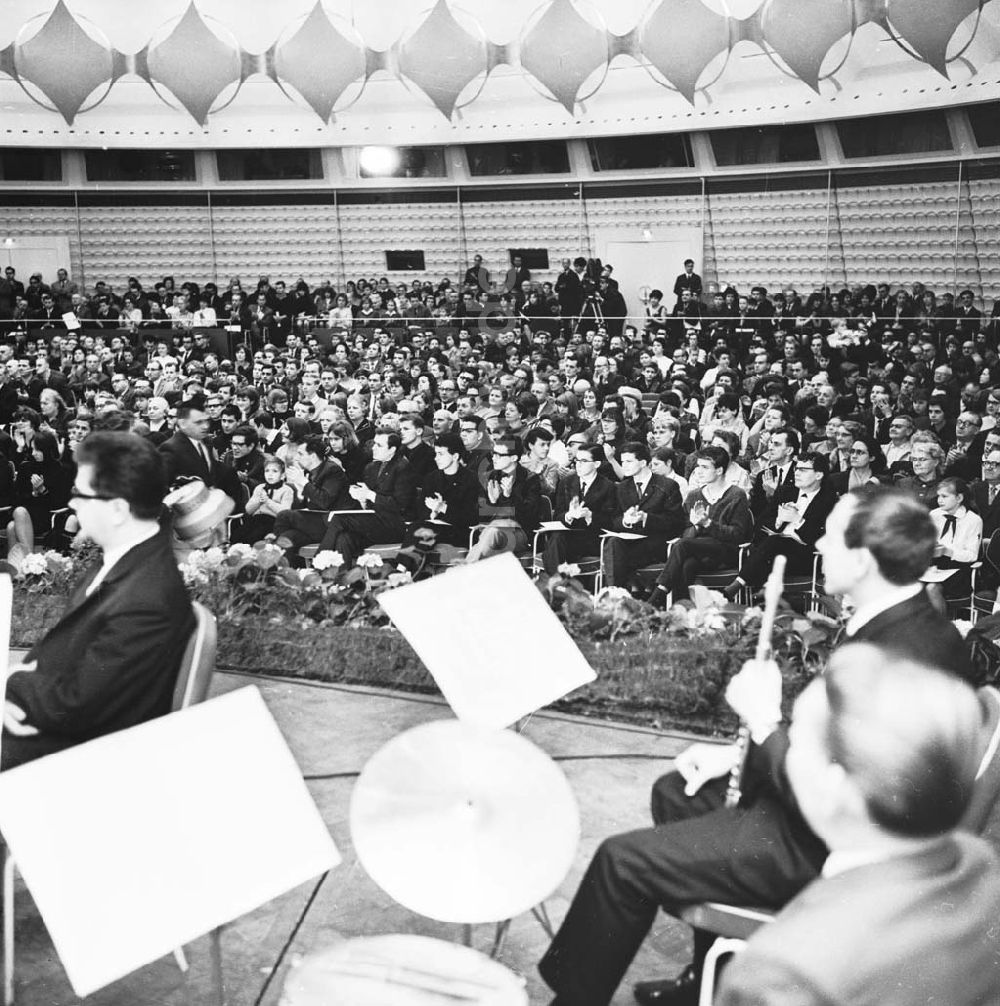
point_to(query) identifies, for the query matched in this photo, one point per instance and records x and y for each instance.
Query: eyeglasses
(966, 422)
(804, 468)
(501, 454)
(857, 451)
(79, 494)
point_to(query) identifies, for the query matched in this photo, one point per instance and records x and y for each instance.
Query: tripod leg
(501, 934)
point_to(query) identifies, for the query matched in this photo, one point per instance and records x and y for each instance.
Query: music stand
(173, 828)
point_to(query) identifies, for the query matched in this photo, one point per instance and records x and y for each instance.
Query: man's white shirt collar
(868, 612)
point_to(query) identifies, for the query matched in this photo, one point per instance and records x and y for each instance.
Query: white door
(641, 266)
(29, 254)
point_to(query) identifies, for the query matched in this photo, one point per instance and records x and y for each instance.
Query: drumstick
(772, 595)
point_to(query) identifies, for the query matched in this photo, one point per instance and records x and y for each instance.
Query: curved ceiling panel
(308, 72)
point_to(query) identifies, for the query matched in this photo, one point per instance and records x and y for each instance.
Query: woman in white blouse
(960, 533)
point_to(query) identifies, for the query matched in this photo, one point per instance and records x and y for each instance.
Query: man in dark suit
(986, 493)
(188, 453)
(877, 544)
(387, 497)
(111, 661)
(420, 455)
(450, 492)
(585, 503)
(645, 504)
(790, 525)
(320, 485)
(782, 447)
(882, 761)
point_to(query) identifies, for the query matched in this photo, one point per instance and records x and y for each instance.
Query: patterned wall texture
(803, 236)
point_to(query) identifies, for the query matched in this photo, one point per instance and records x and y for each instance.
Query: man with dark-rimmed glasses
(111, 661)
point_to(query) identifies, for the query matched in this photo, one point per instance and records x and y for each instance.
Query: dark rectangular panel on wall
(531, 258)
(904, 133)
(527, 157)
(631, 153)
(263, 164)
(765, 144)
(401, 162)
(140, 165)
(30, 165)
(985, 122)
(404, 261)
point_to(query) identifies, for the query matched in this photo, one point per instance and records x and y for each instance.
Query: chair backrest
(198, 665)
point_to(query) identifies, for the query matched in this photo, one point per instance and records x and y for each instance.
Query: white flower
(569, 569)
(303, 573)
(327, 560)
(192, 574)
(34, 563)
(963, 627)
(214, 557)
(715, 621)
(369, 560)
(399, 579)
(241, 551)
(613, 594)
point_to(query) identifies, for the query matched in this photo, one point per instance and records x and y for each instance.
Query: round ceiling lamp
(380, 162)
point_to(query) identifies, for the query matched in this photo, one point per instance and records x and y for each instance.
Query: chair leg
(7, 861)
(718, 949)
(215, 949)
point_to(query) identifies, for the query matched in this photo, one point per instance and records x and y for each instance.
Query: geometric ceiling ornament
(195, 62)
(563, 44)
(679, 39)
(802, 32)
(927, 26)
(443, 55)
(67, 58)
(323, 59)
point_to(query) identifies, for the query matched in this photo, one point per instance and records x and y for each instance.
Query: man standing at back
(111, 661)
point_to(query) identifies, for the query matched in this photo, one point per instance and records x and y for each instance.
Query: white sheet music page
(495, 648)
(144, 840)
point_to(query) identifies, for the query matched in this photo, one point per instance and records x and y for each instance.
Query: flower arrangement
(800, 641)
(258, 582)
(48, 573)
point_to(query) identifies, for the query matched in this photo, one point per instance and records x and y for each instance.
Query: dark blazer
(989, 513)
(814, 523)
(395, 489)
(183, 461)
(524, 504)
(661, 499)
(325, 489)
(111, 661)
(599, 499)
(916, 629)
(461, 494)
(762, 491)
(421, 459)
(877, 934)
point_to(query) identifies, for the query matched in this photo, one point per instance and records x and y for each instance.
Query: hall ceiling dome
(346, 72)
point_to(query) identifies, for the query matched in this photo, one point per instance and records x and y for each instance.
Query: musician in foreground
(111, 661)
(761, 853)
(882, 757)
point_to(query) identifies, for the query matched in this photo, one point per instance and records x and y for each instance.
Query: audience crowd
(414, 412)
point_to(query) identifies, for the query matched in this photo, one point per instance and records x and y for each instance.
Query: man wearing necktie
(878, 542)
(187, 454)
(781, 450)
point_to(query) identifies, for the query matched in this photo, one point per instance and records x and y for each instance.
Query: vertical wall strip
(211, 239)
(460, 250)
(958, 226)
(79, 240)
(340, 240)
(826, 242)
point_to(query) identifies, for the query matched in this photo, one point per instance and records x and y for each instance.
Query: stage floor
(332, 730)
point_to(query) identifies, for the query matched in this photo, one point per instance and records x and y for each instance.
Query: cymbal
(404, 969)
(464, 824)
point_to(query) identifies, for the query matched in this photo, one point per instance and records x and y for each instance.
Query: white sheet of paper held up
(490, 641)
(144, 840)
